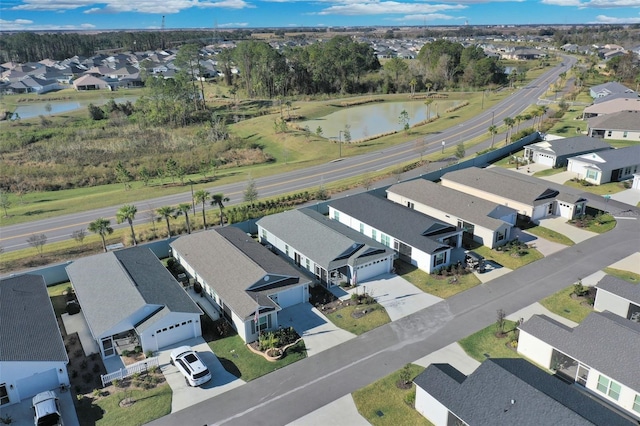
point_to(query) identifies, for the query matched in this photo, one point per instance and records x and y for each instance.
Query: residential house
(33, 358)
(89, 82)
(613, 105)
(328, 249)
(606, 89)
(482, 221)
(619, 297)
(531, 197)
(506, 391)
(623, 125)
(555, 153)
(601, 354)
(613, 165)
(129, 296)
(244, 280)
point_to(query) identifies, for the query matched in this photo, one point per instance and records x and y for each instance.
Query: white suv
(190, 365)
(46, 409)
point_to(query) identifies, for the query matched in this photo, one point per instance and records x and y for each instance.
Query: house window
(609, 387)
(362, 228)
(264, 234)
(286, 249)
(308, 264)
(4, 395)
(609, 134)
(440, 258)
(624, 135)
(384, 239)
(410, 205)
(374, 234)
(500, 235)
(592, 174)
(636, 404)
(336, 215)
(627, 171)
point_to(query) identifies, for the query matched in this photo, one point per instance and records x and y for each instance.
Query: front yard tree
(500, 321)
(5, 202)
(166, 212)
(79, 235)
(183, 209)
(37, 241)
(460, 151)
(102, 227)
(128, 213)
(219, 200)
(403, 119)
(250, 194)
(202, 196)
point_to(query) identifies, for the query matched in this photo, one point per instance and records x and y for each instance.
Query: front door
(615, 175)
(296, 258)
(107, 347)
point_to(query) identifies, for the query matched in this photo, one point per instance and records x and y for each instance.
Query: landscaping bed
(443, 285)
(594, 221)
(512, 255)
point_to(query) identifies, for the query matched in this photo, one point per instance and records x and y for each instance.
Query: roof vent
(266, 278)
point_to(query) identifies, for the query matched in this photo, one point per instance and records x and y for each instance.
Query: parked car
(190, 365)
(46, 409)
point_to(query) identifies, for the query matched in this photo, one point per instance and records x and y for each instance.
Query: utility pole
(443, 144)
(340, 143)
(162, 33)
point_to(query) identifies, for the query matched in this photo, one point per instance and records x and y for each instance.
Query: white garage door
(175, 333)
(30, 386)
(544, 160)
(291, 297)
(373, 270)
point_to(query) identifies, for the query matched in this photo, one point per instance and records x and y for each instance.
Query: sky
(39, 15)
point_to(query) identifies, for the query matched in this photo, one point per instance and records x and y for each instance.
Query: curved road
(60, 228)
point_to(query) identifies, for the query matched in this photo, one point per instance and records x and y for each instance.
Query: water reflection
(35, 109)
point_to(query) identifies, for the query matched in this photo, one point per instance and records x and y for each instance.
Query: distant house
(506, 391)
(244, 280)
(418, 239)
(605, 89)
(530, 196)
(601, 354)
(619, 297)
(483, 221)
(33, 358)
(326, 248)
(613, 105)
(613, 165)
(89, 82)
(128, 295)
(623, 125)
(555, 153)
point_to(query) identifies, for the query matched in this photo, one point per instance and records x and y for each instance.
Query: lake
(374, 118)
(35, 109)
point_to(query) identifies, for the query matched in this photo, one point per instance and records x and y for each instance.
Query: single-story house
(243, 279)
(129, 296)
(326, 248)
(483, 221)
(90, 82)
(612, 165)
(601, 354)
(619, 297)
(606, 89)
(623, 125)
(33, 357)
(613, 105)
(506, 391)
(530, 196)
(555, 153)
(418, 239)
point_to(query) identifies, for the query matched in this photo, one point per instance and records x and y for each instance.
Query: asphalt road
(60, 228)
(290, 393)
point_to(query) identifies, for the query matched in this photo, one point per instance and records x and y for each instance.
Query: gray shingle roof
(603, 341)
(571, 146)
(614, 96)
(409, 226)
(614, 103)
(611, 87)
(620, 157)
(321, 239)
(620, 287)
(237, 268)
(28, 327)
(513, 392)
(112, 286)
(464, 206)
(623, 120)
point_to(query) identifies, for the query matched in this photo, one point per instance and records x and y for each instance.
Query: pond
(35, 109)
(374, 119)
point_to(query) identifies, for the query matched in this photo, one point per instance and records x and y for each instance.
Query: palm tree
(184, 209)
(202, 196)
(102, 227)
(219, 200)
(519, 119)
(412, 85)
(493, 129)
(509, 122)
(128, 213)
(166, 212)
(428, 102)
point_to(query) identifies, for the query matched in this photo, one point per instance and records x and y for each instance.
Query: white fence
(138, 367)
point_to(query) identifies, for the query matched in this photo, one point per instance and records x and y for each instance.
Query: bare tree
(37, 241)
(500, 321)
(79, 235)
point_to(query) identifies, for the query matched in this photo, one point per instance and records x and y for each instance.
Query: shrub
(410, 399)
(116, 382)
(579, 289)
(149, 354)
(137, 349)
(126, 352)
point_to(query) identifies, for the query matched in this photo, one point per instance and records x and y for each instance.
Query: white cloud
(116, 6)
(234, 25)
(603, 19)
(594, 4)
(358, 7)
(87, 26)
(424, 17)
(28, 25)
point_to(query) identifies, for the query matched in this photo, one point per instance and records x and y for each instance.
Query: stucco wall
(606, 301)
(431, 408)
(534, 349)
(13, 371)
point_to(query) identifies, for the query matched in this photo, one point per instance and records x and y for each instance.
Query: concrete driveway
(185, 396)
(397, 295)
(22, 413)
(318, 332)
(560, 225)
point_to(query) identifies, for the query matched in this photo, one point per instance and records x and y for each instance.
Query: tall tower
(162, 34)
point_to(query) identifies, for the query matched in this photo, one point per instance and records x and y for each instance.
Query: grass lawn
(551, 235)
(505, 259)
(549, 172)
(432, 285)
(384, 396)
(149, 405)
(602, 224)
(562, 304)
(508, 162)
(375, 317)
(632, 277)
(604, 189)
(238, 360)
(485, 342)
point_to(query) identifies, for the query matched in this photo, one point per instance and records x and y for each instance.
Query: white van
(46, 409)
